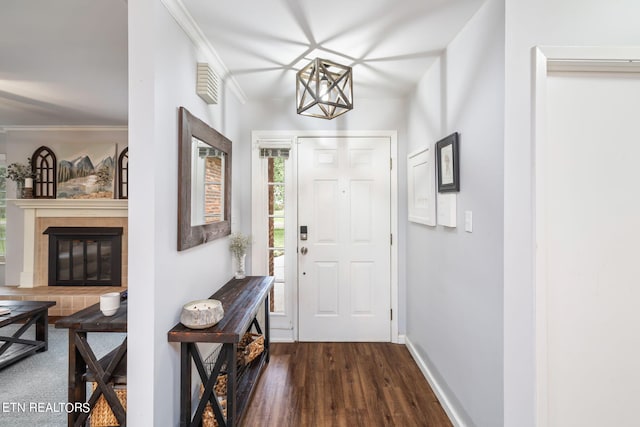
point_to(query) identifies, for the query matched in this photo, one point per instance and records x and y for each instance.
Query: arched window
(44, 165)
(123, 174)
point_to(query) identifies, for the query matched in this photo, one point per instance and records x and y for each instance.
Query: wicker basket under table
(101, 414)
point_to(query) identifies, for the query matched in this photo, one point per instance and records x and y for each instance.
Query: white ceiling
(64, 62)
(389, 43)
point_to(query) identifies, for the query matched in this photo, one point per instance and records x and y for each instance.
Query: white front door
(344, 270)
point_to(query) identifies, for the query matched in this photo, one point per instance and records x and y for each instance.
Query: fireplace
(85, 256)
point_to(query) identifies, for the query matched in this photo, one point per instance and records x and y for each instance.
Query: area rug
(33, 391)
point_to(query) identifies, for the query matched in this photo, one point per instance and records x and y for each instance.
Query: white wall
(20, 145)
(2, 151)
(367, 114)
(530, 23)
(454, 278)
(162, 62)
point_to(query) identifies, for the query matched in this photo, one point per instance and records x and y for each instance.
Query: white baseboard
(281, 335)
(451, 411)
(401, 339)
(280, 340)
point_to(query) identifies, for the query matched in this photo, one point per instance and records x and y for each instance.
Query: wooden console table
(31, 313)
(83, 363)
(241, 299)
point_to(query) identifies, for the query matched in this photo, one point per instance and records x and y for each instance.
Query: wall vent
(207, 83)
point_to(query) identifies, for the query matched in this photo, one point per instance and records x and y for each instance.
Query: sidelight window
(276, 230)
(273, 251)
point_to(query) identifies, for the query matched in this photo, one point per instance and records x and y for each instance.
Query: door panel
(361, 212)
(362, 284)
(325, 284)
(592, 230)
(326, 198)
(344, 276)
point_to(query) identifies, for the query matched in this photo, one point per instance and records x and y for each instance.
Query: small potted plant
(20, 173)
(238, 244)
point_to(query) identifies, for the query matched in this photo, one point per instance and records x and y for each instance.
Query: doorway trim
(293, 136)
(547, 59)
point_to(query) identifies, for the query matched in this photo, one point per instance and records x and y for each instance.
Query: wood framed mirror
(204, 182)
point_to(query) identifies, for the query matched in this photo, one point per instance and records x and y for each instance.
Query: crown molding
(178, 10)
(5, 129)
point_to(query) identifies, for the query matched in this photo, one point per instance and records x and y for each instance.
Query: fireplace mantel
(74, 207)
(59, 208)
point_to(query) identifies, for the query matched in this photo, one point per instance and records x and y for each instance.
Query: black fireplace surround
(85, 256)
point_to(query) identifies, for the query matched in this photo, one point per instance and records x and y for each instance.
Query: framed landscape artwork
(86, 172)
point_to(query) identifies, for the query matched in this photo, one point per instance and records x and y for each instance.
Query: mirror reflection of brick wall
(214, 182)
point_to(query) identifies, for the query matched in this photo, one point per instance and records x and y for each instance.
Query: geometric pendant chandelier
(324, 89)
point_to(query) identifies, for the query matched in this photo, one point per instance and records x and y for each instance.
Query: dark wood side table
(241, 300)
(83, 360)
(31, 313)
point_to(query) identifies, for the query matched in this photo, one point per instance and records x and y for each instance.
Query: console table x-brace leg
(102, 378)
(208, 381)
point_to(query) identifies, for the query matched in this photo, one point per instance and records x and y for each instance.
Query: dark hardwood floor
(343, 384)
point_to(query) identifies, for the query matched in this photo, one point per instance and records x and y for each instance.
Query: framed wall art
(448, 164)
(420, 187)
(86, 171)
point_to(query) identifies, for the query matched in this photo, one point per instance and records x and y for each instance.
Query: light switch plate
(468, 221)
